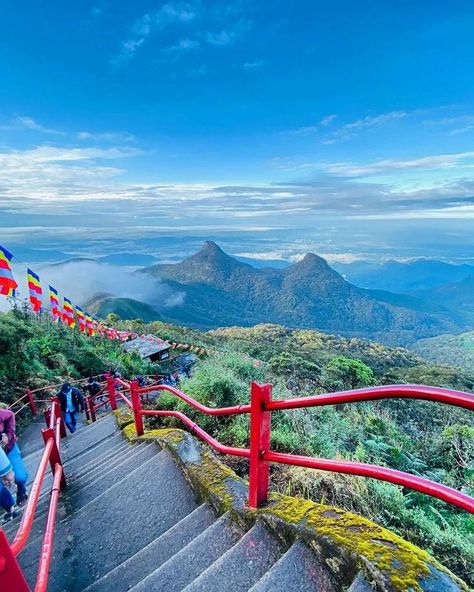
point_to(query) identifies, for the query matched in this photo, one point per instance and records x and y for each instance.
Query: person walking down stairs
(72, 402)
(7, 478)
(9, 444)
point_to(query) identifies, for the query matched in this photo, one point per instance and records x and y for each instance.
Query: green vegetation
(426, 439)
(418, 437)
(35, 352)
(456, 350)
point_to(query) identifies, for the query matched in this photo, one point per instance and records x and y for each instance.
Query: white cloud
(256, 65)
(107, 136)
(327, 120)
(183, 45)
(24, 121)
(230, 35)
(169, 14)
(442, 161)
(369, 122)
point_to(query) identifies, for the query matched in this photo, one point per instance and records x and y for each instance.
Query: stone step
(243, 565)
(151, 557)
(83, 492)
(186, 565)
(104, 463)
(80, 442)
(92, 484)
(128, 516)
(298, 569)
(80, 464)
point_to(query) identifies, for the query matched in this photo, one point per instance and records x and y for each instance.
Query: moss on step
(124, 417)
(344, 541)
(400, 564)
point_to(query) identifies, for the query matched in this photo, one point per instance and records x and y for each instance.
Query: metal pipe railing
(414, 482)
(245, 452)
(48, 538)
(260, 454)
(236, 409)
(396, 391)
(26, 523)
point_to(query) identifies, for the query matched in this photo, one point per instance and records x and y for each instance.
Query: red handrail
(26, 523)
(396, 391)
(13, 578)
(260, 455)
(376, 472)
(48, 538)
(236, 409)
(245, 452)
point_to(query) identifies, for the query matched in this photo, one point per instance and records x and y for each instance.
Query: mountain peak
(313, 261)
(210, 247)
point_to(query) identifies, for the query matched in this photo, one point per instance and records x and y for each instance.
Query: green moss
(402, 563)
(123, 417)
(129, 432)
(346, 535)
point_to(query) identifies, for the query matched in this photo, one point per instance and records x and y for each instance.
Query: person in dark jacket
(71, 401)
(8, 441)
(93, 386)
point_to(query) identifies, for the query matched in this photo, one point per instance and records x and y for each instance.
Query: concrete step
(92, 484)
(298, 569)
(105, 462)
(186, 565)
(30, 439)
(151, 557)
(81, 441)
(128, 516)
(81, 493)
(243, 565)
(80, 463)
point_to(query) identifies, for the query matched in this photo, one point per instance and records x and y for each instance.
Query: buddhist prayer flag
(8, 284)
(81, 318)
(35, 290)
(68, 313)
(89, 325)
(54, 300)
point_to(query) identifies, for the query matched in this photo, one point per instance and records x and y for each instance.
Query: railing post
(47, 416)
(11, 576)
(137, 407)
(90, 404)
(260, 429)
(111, 391)
(59, 413)
(32, 403)
(54, 457)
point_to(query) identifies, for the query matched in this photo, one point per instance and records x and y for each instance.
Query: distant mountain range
(213, 289)
(221, 291)
(126, 308)
(453, 350)
(394, 276)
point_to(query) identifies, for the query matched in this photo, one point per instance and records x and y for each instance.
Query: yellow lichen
(123, 417)
(401, 562)
(129, 432)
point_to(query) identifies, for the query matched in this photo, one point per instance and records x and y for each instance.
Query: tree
(347, 373)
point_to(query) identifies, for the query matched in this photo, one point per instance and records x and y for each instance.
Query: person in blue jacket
(72, 402)
(7, 479)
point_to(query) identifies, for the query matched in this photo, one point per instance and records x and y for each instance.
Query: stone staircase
(130, 521)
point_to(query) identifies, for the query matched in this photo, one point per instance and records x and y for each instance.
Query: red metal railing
(260, 455)
(11, 576)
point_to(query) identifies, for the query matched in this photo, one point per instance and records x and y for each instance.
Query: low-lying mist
(80, 281)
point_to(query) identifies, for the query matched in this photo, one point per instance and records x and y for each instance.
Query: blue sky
(346, 128)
